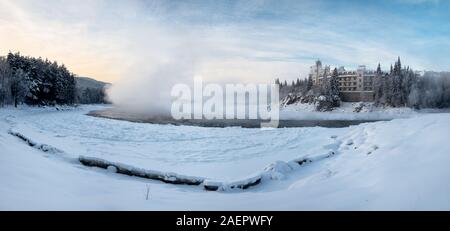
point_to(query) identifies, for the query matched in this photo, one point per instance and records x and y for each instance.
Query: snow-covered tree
(48, 83)
(430, 91)
(277, 81)
(379, 72)
(19, 86)
(378, 85)
(334, 84)
(403, 87)
(91, 95)
(310, 83)
(5, 82)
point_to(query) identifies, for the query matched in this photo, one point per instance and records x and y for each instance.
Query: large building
(354, 85)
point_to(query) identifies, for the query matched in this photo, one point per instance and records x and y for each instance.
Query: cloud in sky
(225, 40)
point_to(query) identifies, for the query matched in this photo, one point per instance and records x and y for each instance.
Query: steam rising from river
(164, 60)
(147, 91)
(170, 58)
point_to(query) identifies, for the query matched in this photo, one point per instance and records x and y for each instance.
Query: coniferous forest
(40, 82)
(399, 87)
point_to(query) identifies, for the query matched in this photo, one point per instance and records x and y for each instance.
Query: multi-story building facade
(354, 85)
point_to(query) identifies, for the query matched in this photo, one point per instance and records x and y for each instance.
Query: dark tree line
(35, 81)
(304, 87)
(91, 96)
(324, 96)
(299, 86)
(402, 87)
(5, 82)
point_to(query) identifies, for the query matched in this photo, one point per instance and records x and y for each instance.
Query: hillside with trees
(404, 88)
(90, 91)
(40, 82)
(399, 87)
(325, 97)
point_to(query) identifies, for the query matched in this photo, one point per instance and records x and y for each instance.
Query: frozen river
(222, 153)
(113, 113)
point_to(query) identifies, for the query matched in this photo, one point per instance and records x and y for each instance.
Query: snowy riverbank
(399, 164)
(351, 111)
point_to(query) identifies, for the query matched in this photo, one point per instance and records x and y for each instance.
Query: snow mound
(42, 147)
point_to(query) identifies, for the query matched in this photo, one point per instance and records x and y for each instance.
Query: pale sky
(245, 41)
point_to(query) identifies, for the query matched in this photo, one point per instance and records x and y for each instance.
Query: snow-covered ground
(399, 165)
(347, 111)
